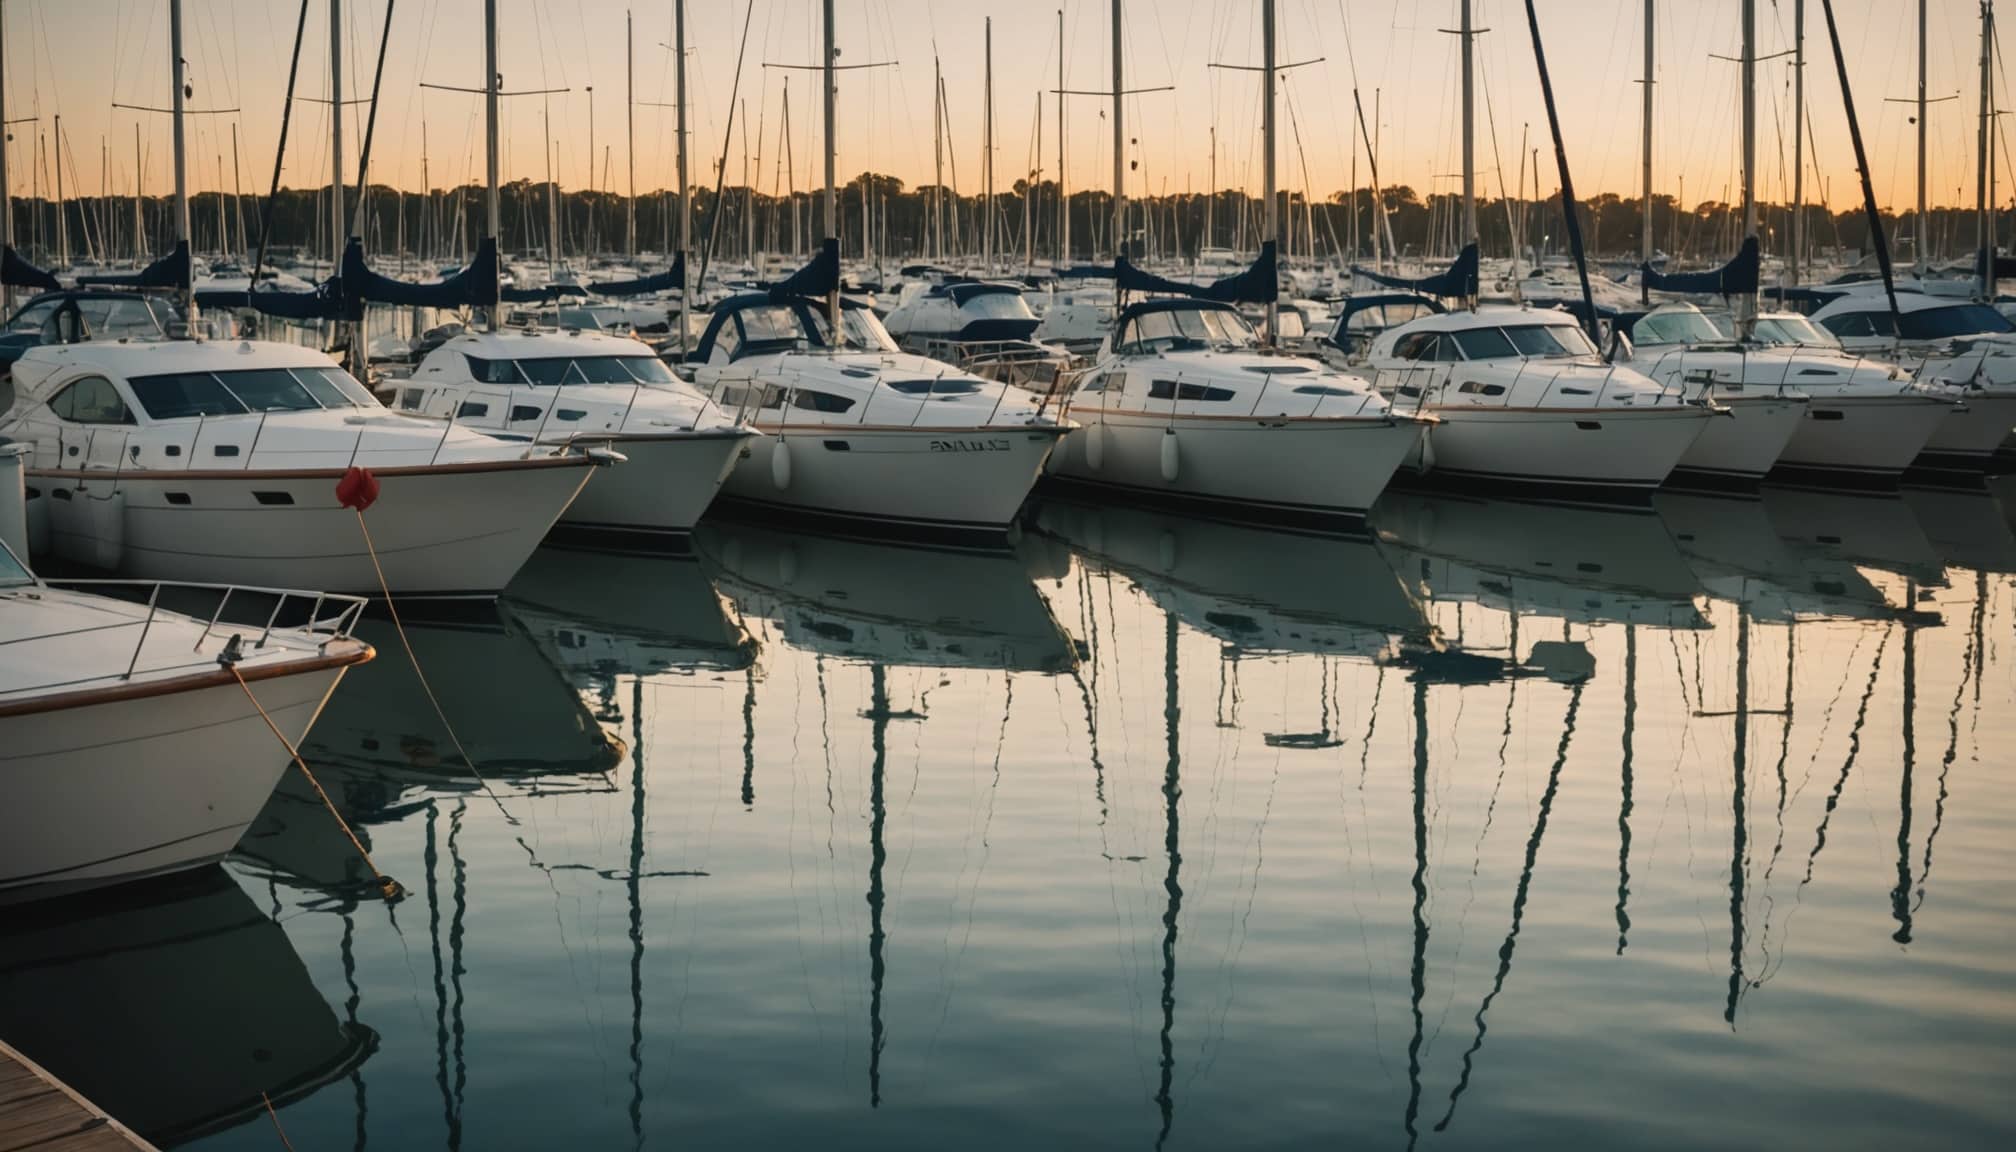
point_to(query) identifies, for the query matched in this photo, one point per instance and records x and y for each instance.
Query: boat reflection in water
(1256, 590)
(599, 615)
(1579, 565)
(174, 1004)
(887, 603)
(1738, 555)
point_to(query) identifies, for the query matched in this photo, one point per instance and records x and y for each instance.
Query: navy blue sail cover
(474, 286)
(1459, 280)
(325, 302)
(17, 272)
(170, 271)
(819, 278)
(1259, 284)
(666, 281)
(1738, 277)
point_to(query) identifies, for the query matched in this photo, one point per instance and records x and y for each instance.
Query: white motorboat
(1523, 401)
(219, 462)
(574, 390)
(1676, 346)
(128, 746)
(1866, 419)
(1182, 404)
(1960, 349)
(865, 434)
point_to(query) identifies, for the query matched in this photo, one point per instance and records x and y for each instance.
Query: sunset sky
(77, 58)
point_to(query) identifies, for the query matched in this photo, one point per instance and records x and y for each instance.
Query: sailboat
(1185, 404)
(859, 433)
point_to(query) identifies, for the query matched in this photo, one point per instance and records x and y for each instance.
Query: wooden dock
(39, 1113)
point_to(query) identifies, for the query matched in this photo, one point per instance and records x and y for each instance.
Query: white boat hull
(663, 485)
(959, 479)
(1744, 445)
(1588, 450)
(1970, 435)
(142, 785)
(1875, 437)
(1325, 467)
(448, 531)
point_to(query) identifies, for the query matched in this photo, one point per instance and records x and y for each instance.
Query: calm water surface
(1518, 826)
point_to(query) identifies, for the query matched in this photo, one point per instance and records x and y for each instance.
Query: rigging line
(1848, 764)
(728, 136)
(1506, 949)
(1972, 664)
(1418, 970)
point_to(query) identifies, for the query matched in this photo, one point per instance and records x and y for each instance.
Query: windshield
(1793, 330)
(175, 395)
(1187, 328)
(1953, 320)
(769, 322)
(862, 329)
(1688, 327)
(547, 371)
(105, 317)
(1545, 340)
(997, 306)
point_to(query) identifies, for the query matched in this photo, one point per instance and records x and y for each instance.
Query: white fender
(1170, 462)
(780, 464)
(1095, 445)
(88, 528)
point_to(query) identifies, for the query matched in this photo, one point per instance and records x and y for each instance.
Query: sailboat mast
(1919, 230)
(832, 197)
(1750, 118)
(62, 213)
(1985, 177)
(1063, 201)
(336, 228)
(181, 158)
(1469, 129)
(1799, 137)
(1119, 144)
(493, 206)
(6, 189)
(1645, 206)
(630, 135)
(1270, 218)
(938, 160)
(685, 202)
(987, 193)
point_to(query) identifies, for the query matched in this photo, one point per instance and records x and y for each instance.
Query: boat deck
(39, 1113)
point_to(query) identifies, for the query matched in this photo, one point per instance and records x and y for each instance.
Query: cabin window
(1550, 340)
(1415, 346)
(1853, 325)
(1485, 344)
(472, 409)
(270, 390)
(526, 412)
(1322, 390)
(91, 400)
(939, 387)
(1174, 390)
(568, 414)
(811, 400)
(1478, 387)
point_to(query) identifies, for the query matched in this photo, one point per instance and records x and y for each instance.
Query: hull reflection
(886, 603)
(174, 1005)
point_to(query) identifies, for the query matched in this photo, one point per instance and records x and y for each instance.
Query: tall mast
(832, 197)
(6, 189)
(1469, 129)
(1799, 137)
(238, 193)
(1270, 218)
(630, 135)
(181, 158)
(493, 206)
(937, 230)
(1119, 143)
(1749, 118)
(1063, 201)
(685, 206)
(1644, 229)
(1984, 180)
(987, 192)
(336, 226)
(1211, 200)
(62, 214)
(1919, 232)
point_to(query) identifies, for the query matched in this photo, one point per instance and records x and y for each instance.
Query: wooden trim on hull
(338, 654)
(168, 474)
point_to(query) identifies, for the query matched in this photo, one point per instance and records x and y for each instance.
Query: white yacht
(127, 745)
(1964, 350)
(571, 390)
(1523, 401)
(220, 461)
(1183, 404)
(1678, 347)
(1867, 420)
(865, 434)
(981, 325)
